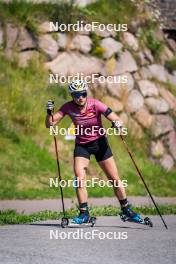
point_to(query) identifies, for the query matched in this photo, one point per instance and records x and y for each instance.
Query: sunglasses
(78, 95)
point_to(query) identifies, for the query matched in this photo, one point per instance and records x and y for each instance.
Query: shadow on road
(96, 226)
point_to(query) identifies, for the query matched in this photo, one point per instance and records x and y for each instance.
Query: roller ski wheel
(137, 219)
(92, 221)
(64, 222)
(148, 221)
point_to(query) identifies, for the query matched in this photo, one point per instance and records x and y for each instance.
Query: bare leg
(110, 169)
(80, 165)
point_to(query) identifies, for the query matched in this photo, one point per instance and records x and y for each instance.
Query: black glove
(50, 107)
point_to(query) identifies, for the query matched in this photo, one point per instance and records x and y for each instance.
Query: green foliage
(147, 38)
(112, 11)
(171, 64)
(28, 14)
(12, 217)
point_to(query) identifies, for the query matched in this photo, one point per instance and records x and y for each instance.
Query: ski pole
(142, 178)
(58, 167)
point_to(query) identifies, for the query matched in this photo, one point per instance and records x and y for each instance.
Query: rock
(48, 45)
(1, 35)
(168, 97)
(158, 72)
(172, 79)
(26, 56)
(25, 40)
(72, 63)
(135, 101)
(148, 55)
(124, 119)
(148, 88)
(130, 40)
(114, 103)
(170, 141)
(62, 40)
(113, 33)
(157, 106)
(161, 125)
(136, 76)
(141, 59)
(159, 34)
(172, 44)
(86, 30)
(110, 47)
(109, 67)
(134, 129)
(98, 89)
(167, 162)
(11, 35)
(134, 25)
(144, 117)
(167, 54)
(82, 43)
(83, 3)
(113, 67)
(145, 73)
(44, 27)
(126, 63)
(157, 149)
(102, 33)
(120, 90)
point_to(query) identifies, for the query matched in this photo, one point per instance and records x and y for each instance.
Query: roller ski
(79, 220)
(83, 219)
(128, 215)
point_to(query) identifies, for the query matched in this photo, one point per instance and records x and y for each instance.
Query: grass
(112, 11)
(12, 217)
(28, 14)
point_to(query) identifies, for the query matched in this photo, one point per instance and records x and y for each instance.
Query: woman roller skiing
(86, 112)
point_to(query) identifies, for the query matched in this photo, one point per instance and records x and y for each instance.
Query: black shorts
(99, 147)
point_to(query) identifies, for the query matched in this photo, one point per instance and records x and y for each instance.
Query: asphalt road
(127, 243)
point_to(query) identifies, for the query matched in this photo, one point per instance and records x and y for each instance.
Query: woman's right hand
(50, 107)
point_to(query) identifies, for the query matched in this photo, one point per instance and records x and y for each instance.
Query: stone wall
(144, 102)
(168, 11)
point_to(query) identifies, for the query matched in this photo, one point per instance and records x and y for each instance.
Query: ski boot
(129, 215)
